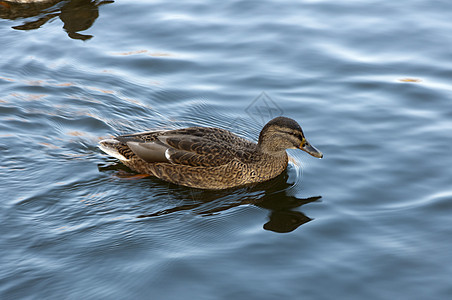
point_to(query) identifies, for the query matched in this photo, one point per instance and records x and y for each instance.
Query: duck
(210, 158)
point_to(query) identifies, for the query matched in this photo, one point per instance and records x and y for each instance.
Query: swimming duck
(210, 158)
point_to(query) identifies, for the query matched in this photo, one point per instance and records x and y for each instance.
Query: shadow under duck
(210, 158)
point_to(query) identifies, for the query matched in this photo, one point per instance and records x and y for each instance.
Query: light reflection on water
(370, 94)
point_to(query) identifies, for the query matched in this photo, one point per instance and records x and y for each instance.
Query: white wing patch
(168, 155)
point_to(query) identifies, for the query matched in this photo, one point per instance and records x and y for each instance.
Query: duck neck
(270, 145)
(271, 142)
(270, 150)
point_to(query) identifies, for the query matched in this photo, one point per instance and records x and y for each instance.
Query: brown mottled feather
(208, 158)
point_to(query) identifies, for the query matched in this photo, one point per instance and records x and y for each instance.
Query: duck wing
(206, 147)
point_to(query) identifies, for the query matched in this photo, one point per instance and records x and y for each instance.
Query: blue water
(369, 82)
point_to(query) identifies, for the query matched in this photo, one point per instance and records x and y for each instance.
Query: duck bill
(311, 150)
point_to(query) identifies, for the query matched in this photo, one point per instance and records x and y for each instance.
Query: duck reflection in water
(274, 195)
(77, 15)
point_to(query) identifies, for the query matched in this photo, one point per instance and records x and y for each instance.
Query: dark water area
(370, 82)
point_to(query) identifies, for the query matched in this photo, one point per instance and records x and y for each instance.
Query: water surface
(369, 82)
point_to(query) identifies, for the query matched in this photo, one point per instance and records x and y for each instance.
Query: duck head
(283, 133)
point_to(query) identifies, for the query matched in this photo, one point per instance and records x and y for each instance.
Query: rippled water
(369, 81)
